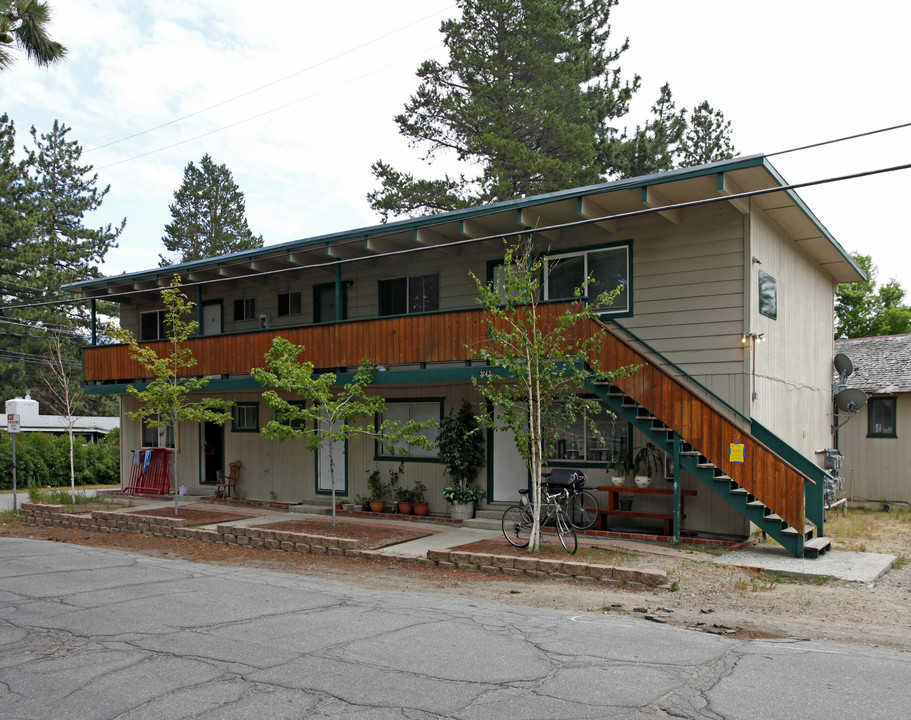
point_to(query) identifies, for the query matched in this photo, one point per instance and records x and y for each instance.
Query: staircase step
(817, 546)
(706, 466)
(690, 453)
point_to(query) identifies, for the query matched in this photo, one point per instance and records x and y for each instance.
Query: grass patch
(604, 556)
(9, 519)
(900, 562)
(62, 496)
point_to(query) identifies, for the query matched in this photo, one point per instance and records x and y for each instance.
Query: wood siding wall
(444, 336)
(877, 469)
(794, 363)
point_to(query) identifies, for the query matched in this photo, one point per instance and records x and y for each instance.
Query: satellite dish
(843, 365)
(851, 400)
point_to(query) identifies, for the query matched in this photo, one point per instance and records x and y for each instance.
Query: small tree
(66, 393)
(166, 400)
(544, 362)
(461, 450)
(330, 412)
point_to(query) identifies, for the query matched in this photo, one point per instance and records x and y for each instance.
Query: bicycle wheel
(517, 525)
(567, 533)
(583, 510)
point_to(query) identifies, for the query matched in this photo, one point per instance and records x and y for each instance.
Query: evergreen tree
(45, 199)
(24, 23)
(528, 97)
(208, 216)
(707, 137)
(653, 147)
(864, 309)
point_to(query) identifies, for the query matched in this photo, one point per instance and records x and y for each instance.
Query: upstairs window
(881, 417)
(244, 309)
(289, 303)
(608, 268)
(416, 294)
(153, 325)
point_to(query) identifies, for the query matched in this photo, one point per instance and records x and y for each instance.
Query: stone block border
(104, 521)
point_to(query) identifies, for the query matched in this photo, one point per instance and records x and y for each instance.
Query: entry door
(213, 452)
(211, 319)
(509, 471)
(324, 302)
(336, 453)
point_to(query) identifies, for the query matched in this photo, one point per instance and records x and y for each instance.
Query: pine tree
(707, 137)
(528, 97)
(45, 243)
(653, 147)
(24, 23)
(208, 216)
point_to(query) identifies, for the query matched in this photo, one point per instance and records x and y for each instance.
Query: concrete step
(490, 513)
(309, 509)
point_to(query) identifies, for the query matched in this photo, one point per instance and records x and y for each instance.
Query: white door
(509, 471)
(211, 319)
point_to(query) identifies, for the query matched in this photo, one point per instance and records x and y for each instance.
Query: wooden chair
(227, 484)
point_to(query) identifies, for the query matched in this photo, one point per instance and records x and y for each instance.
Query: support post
(94, 323)
(338, 293)
(678, 482)
(199, 317)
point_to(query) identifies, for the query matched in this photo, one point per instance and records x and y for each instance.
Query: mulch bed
(371, 536)
(192, 515)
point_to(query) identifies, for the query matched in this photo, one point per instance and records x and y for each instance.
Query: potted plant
(405, 498)
(421, 506)
(361, 502)
(461, 450)
(646, 461)
(621, 466)
(377, 490)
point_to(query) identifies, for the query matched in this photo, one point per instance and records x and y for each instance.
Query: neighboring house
(30, 420)
(702, 285)
(877, 455)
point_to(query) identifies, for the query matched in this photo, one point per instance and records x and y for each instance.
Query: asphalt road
(96, 633)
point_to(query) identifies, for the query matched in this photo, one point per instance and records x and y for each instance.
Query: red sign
(12, 423)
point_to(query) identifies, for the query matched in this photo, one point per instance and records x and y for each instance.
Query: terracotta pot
(405, 507)
(377, 505)
(421, 508)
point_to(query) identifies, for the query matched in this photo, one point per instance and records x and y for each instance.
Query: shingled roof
(882, 365)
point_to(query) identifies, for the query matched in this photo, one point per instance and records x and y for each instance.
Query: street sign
(12, 423)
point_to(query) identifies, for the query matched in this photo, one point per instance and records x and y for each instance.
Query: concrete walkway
(836, 564)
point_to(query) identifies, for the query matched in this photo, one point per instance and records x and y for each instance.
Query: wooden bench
(613, 505)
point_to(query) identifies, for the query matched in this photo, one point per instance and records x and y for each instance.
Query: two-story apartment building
(727, 297)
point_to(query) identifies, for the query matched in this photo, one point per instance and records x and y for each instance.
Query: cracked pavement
(97, 633)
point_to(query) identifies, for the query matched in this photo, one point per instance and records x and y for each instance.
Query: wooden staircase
(770, 488)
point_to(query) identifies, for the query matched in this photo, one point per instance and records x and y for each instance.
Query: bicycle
(581, 506)
(518, 520)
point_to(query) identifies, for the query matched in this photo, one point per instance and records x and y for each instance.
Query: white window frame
(161, 330)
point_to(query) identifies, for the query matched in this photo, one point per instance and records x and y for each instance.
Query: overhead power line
(495, 236)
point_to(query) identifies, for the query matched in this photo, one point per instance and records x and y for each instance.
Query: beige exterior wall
(793, 370)
(877, 469)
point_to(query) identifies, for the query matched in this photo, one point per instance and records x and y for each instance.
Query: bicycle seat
(523, 491)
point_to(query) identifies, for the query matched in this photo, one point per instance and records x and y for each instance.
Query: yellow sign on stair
(736, 453)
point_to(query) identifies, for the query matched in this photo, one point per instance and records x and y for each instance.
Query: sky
(298, 100)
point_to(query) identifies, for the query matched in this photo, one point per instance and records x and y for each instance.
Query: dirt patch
(194, 516)
(369, 536)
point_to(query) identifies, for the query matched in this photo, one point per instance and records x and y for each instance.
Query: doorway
(324, 303)
(211, 318)
(213, 453)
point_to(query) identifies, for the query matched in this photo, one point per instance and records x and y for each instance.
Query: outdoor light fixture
(755, 337)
